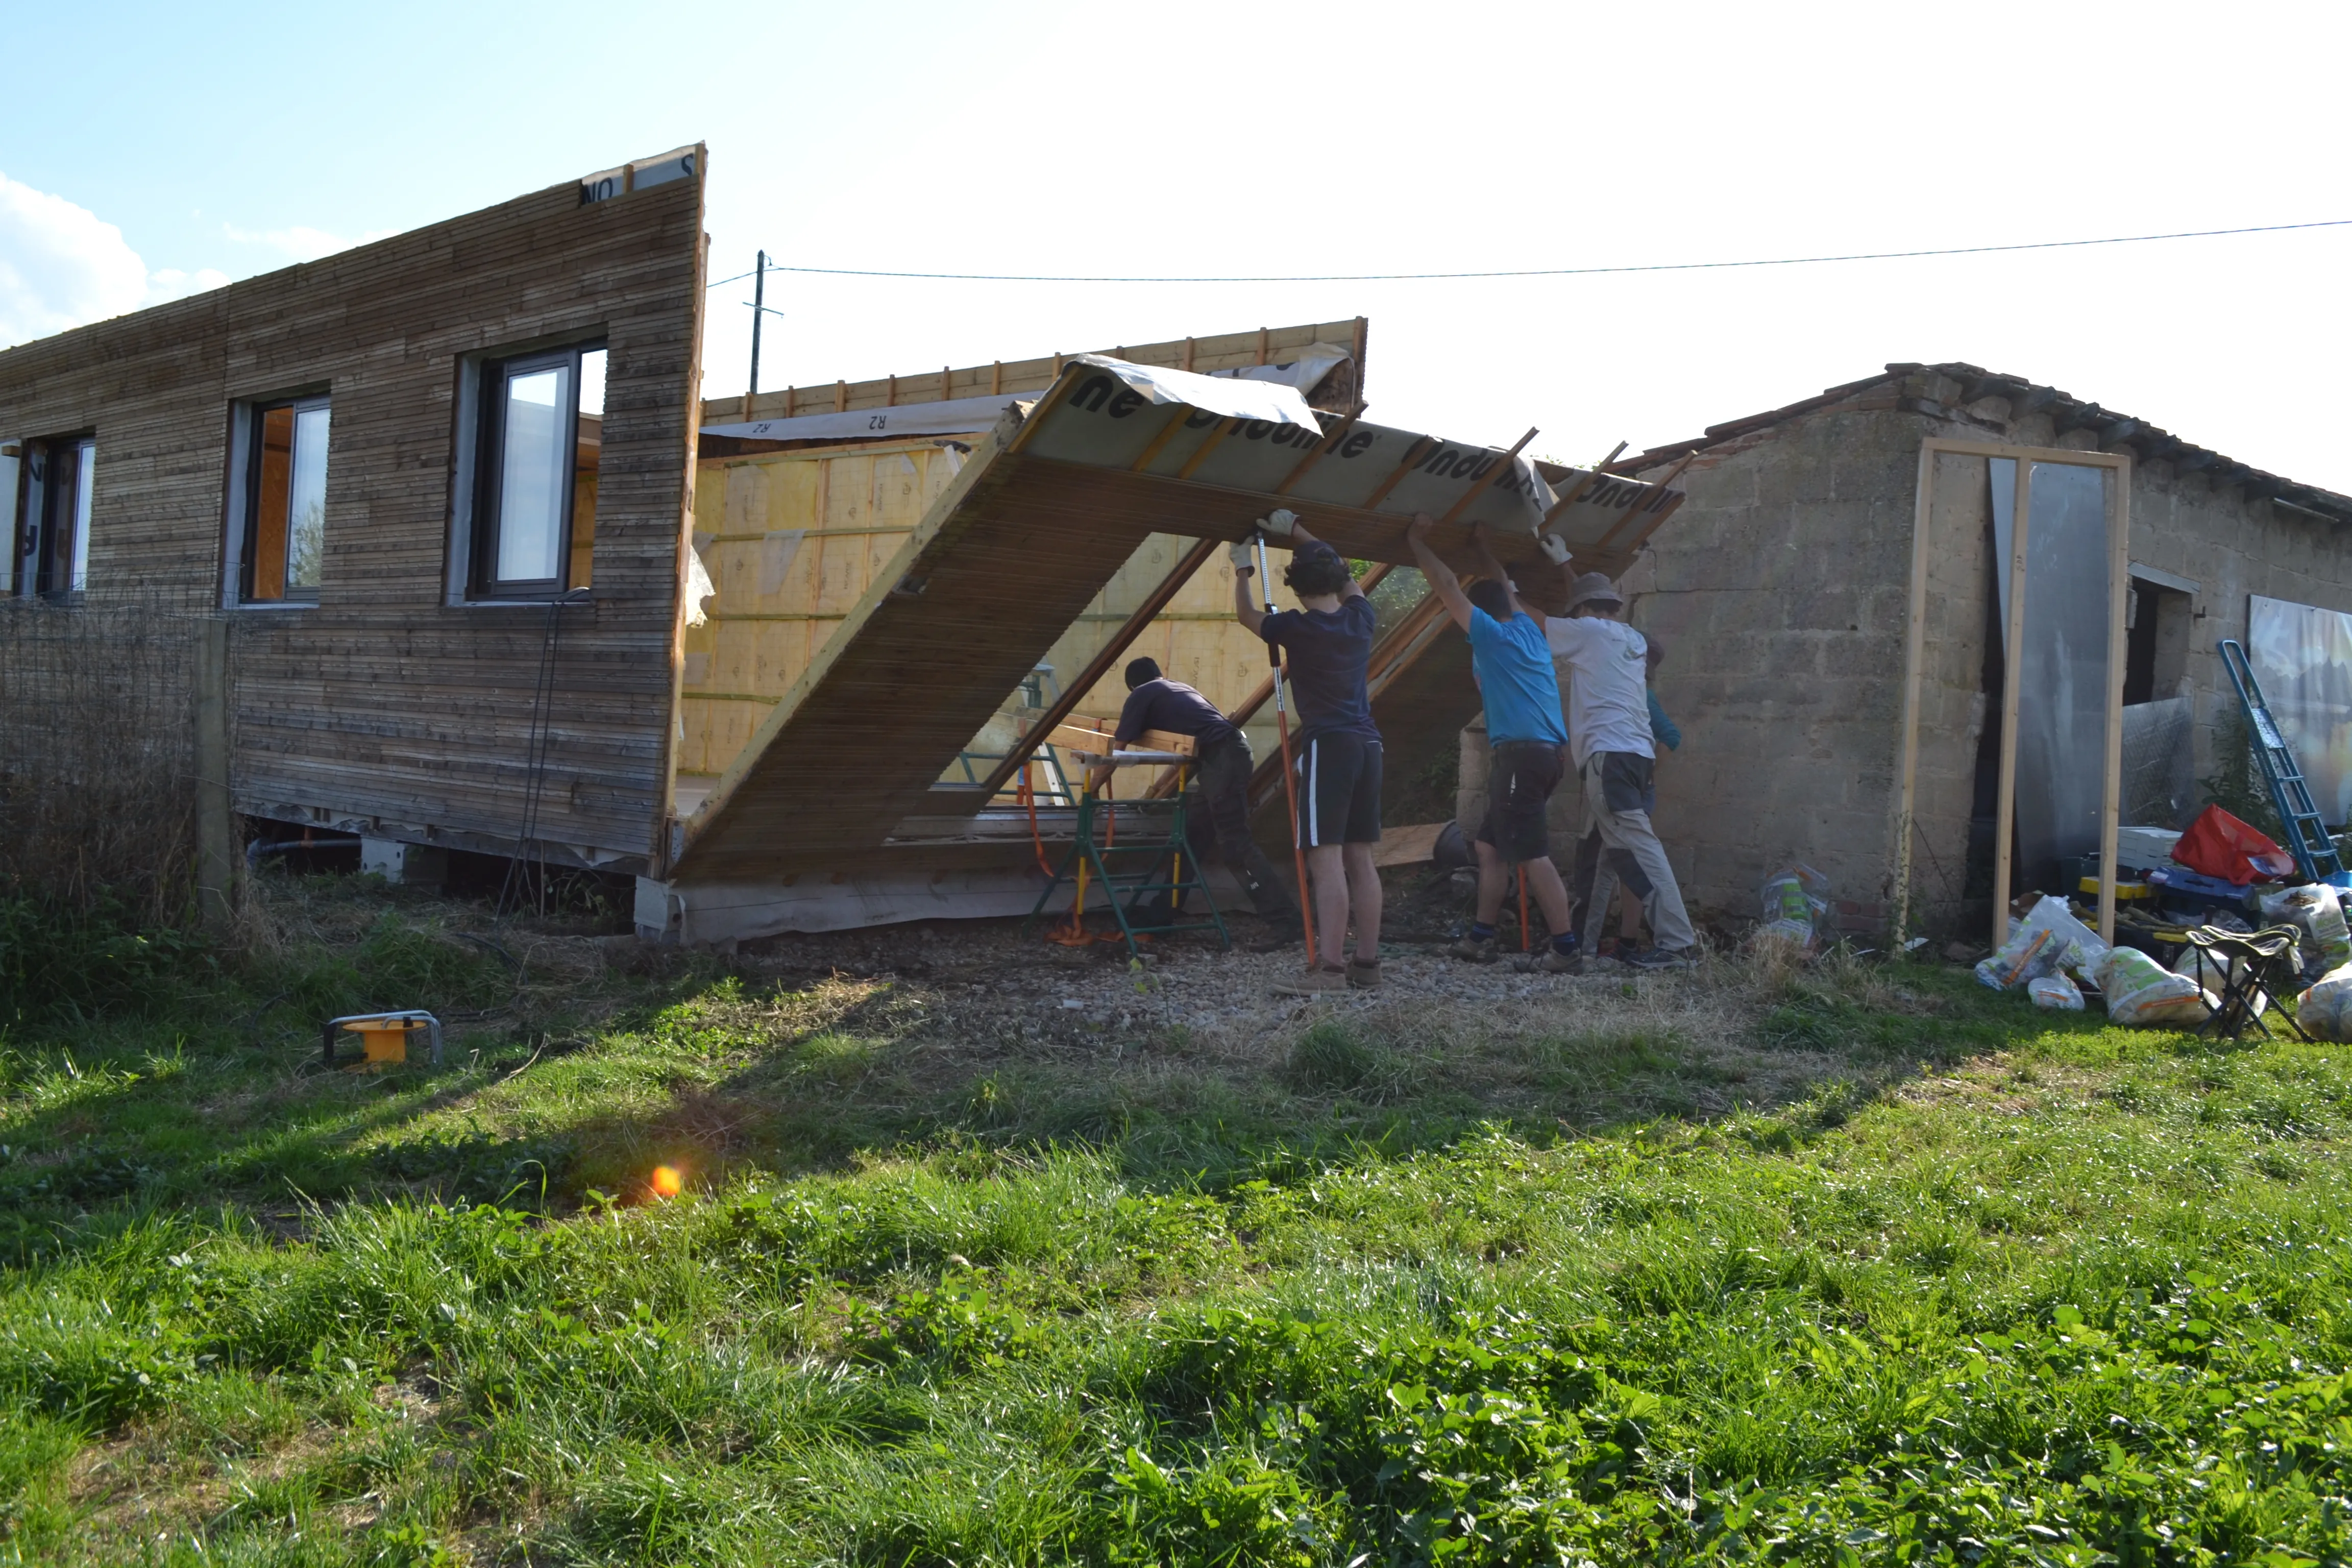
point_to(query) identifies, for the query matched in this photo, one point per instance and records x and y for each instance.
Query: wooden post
(1188, 354)
(1261, 345)
(2111, 800)
(841, 397)
(1915, 642)
(2013, 681)
(995, 377)
(216, 826)
(1135, 626)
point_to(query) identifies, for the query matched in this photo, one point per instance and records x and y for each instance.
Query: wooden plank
(2012, 658)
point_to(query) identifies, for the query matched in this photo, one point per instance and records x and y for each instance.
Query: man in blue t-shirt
(1512, 663)
(1336, 750)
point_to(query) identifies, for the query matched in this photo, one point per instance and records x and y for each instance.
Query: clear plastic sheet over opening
(2062, 671)
(2303, 657)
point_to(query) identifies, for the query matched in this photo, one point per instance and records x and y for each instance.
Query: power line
(1552, 271)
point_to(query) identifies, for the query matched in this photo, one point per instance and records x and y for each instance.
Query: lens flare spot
(667, 1182)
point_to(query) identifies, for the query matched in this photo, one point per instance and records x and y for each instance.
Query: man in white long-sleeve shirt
(1604, 673)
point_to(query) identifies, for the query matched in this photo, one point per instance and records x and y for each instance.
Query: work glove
(1244, 557)
(1554, 547)
(1278, 521)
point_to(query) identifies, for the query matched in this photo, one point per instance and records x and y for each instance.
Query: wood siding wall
(385, 708)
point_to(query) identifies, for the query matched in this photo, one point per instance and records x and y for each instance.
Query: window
(285, 502)
(534, 505)
(53, 491)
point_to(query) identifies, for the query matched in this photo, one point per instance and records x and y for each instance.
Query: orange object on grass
(667, 1182)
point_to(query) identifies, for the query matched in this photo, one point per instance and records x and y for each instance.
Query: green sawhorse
(1169, 869)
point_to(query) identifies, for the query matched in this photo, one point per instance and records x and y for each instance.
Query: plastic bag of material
(1796, 899)
(2317, 910)
(2212, 973)
(2218, 845)
(2141, 990)
(2056, 991)
(2048, 939)
(2325, 1010)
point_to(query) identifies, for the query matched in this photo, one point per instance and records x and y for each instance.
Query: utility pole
(759, 309)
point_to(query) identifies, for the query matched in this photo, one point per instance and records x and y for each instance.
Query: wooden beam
(2012, 684)
(1420, 448)
(2111, 792)
(1074, 693)
(1576, 491)
(1193, 464)
(1167, 434)
(1315, 457)
(1501, 471)
(1913, 657)
(1045, 405)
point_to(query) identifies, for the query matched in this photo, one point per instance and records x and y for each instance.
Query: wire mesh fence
(97, 755)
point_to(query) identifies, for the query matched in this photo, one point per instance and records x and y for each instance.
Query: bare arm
(1440, 576)
(1246, 609)
(1490, 567)
(1302, 540)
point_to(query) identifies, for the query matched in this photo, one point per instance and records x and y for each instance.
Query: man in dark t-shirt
(1222, 766)
(1328, 641)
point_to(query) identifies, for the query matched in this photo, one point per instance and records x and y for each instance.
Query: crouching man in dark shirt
(1222, 766)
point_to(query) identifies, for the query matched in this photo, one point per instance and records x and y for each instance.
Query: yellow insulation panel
(792, 540)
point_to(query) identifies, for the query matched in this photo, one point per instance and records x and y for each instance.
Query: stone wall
(1781, 590)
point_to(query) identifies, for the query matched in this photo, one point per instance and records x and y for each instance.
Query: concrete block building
(1785, 596)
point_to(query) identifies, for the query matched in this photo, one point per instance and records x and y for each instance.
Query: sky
(203, 144)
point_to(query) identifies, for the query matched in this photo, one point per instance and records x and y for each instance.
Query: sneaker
(1314, 982)
(1473, 949)
(1363, 975)
(1555, 961)
(1654, 958)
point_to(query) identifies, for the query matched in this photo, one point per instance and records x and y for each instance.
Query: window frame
(488, 379)
(43, 545)
(246, 492)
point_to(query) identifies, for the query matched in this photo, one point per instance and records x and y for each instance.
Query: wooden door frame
(1914, 646)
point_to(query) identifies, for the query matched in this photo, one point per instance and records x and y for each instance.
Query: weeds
(1838, 1263)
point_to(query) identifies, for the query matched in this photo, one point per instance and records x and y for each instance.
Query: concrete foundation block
(408, 865)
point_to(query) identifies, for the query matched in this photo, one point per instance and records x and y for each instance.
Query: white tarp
(1306, 373)
(1270, 401)
(2301, 654)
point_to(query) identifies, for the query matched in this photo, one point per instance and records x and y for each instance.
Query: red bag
(2218, 845)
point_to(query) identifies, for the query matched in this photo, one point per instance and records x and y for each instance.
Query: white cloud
(62, 266)
(301, 243)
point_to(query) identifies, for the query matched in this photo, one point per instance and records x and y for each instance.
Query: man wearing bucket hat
(1603, 663)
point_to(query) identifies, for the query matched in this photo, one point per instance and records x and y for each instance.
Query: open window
(534, 484)
(285, 502)
(55, 482)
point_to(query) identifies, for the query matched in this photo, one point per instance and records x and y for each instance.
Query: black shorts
(1339, 790)
(1518, 787)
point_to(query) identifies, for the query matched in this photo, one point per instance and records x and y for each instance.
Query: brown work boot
(1318, 982)
(1363, 975)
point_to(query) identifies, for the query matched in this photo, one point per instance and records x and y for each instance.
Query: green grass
(1883, 1268)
